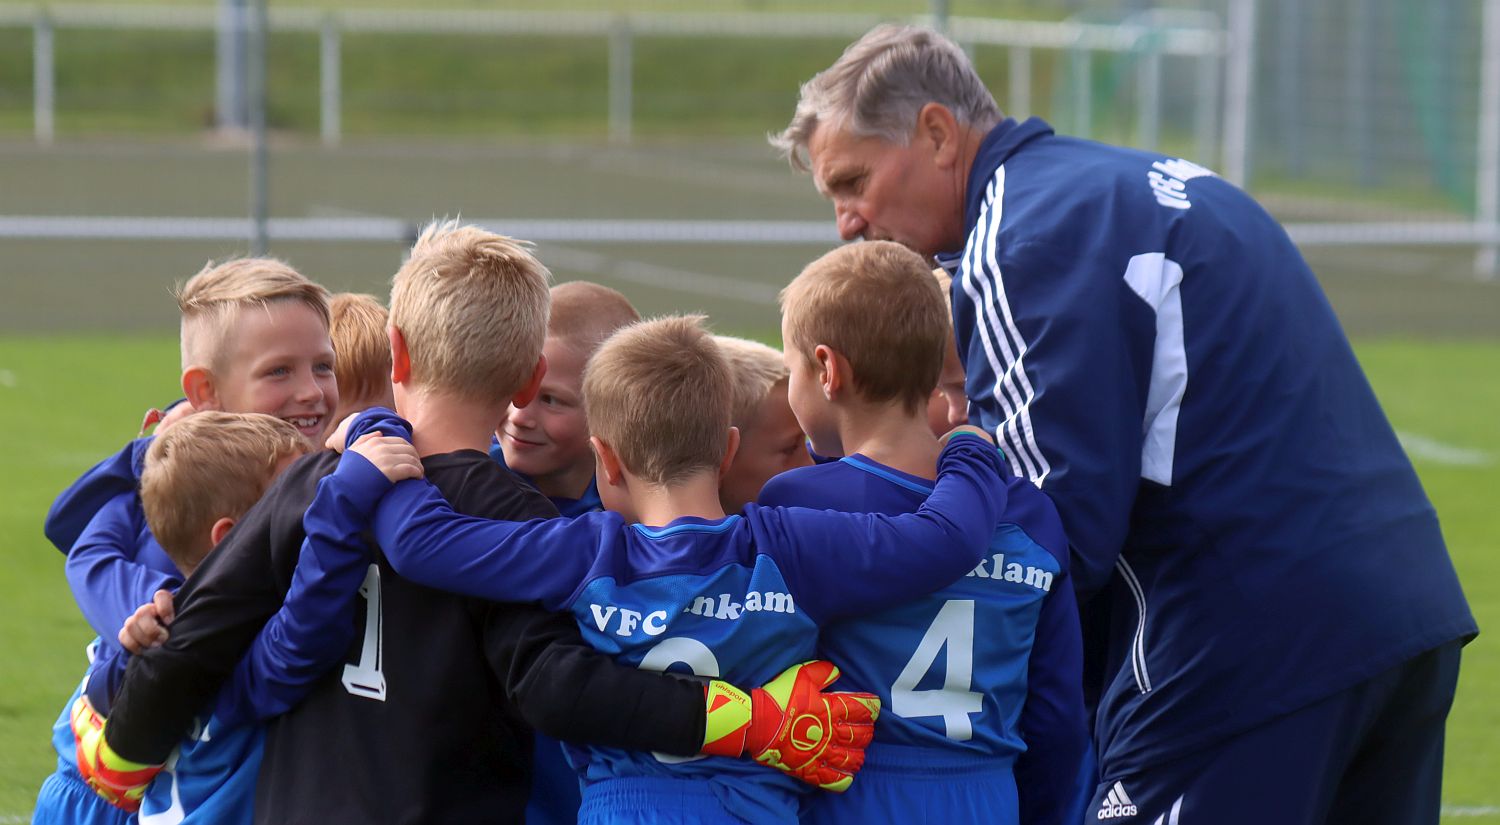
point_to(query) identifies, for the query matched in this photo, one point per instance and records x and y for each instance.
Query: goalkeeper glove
(793, 726)
(119, 781)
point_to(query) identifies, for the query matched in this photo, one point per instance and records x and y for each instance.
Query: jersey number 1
(365, 678)
(953, 627)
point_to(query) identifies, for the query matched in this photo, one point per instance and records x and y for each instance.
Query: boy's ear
(610, 469)
(527, 393)
(830, 378)
(220, 529)
(730, 449)
(400, 357)
(198, 386)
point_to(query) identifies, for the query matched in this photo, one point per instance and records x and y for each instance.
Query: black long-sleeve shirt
(430, 719)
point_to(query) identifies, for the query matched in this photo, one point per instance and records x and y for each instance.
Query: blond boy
(363, 364)
(948, 407)
(771, 441)
(866, 330)
(547, 441)
(429, 680)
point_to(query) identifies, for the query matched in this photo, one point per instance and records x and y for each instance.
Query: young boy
(771, 442)
(547, 441)
(948, 406)
(665, 579)
(198, 479)
(428, 718)
(356, 324)
(865, 329)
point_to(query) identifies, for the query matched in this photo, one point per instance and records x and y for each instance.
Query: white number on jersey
(691, 652)
(366, 679)
(953, 627)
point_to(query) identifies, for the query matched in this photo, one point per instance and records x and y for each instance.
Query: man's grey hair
(880, 84)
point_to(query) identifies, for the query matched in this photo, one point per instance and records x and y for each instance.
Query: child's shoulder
(476, 484)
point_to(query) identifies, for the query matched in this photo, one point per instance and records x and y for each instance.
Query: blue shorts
(641, 800)
(909, 784)
(66, 800)
(1372, 754)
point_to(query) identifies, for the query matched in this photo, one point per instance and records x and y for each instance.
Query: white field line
(661, 277)
(7, 379)
(1470, 810)
(1430, 449)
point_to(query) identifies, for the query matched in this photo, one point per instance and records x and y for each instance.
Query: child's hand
(395, 457)
(336, 438)
(971, 430)
(147, 627)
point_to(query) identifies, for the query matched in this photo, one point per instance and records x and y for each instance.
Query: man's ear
(220, 529)
(610, 468)
(527, 393)
(938, 128)
(198, 385)
(400, 357)
(730, 449)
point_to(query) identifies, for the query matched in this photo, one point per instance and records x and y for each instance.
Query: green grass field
(68, 400)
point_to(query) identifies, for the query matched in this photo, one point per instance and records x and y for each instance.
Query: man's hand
(120, 782)
(793, 726)
(147, 626)
(395, 457)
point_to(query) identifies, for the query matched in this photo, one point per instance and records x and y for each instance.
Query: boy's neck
(570, 483)
(656, 505)
(887, 433)
(442, 424)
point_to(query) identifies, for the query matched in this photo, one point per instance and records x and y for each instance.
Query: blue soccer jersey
(951, 668)
(738, 598)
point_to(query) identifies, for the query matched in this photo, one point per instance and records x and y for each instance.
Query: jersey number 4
(365, 678)
(954, 628)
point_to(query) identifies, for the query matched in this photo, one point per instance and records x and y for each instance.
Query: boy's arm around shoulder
(115, 566)
(880, 559)
(311, 631)
(74, 507)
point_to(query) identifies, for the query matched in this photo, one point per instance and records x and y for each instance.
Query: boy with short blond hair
(665, 576)
(546, 441)
(771, 441)
(357, 326)
(437, 691)
(866, 330)
(949, 405)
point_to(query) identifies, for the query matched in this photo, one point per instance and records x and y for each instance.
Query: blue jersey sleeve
(74, 507)
(1042, 355)
(312, 629)
(116, 566)
(847, 564)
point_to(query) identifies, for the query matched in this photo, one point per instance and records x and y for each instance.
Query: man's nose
(851, 225)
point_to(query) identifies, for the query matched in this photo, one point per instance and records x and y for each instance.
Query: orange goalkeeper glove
(119, 781)
(793, 726)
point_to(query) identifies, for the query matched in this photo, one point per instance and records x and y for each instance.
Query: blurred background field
(1364, 133)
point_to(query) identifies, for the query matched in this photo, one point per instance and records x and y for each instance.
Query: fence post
(1206, 109)
(1148, 119)
(1487, 170)
(44, 76)
(620, 71)
(1019, 105)
(1239, 91)
(331, 81)
(231, 65)
(1083, 96)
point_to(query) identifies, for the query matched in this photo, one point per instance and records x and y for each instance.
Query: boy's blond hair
(211, 300)
(362, 352)
(658, 392)
(755, 369)
(208, 466)
(875, 303)
(472, 307)
(585, 313)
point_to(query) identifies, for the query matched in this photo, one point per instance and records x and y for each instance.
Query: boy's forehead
(565, 361)
(283, 327)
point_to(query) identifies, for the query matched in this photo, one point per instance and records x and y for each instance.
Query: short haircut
(881, 82)
(876, 304)
(755, 369)
(211, 301)
(363, 353)
(585, 313)
(208, 466)
(472, 307)
(658, 392)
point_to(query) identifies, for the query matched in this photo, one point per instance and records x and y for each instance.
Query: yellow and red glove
(119, 781)
(793, 726)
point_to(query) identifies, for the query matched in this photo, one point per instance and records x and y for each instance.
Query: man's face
(882, 191)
